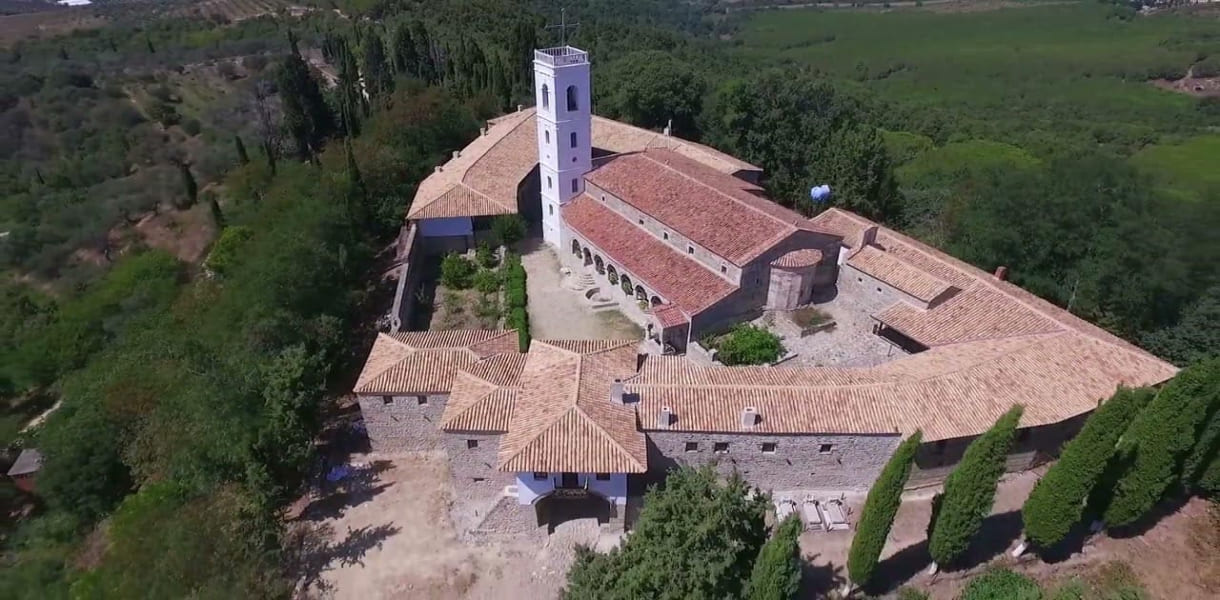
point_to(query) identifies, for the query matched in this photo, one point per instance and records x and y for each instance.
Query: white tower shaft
(565, 152)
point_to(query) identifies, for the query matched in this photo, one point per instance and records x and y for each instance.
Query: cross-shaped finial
(563, 26)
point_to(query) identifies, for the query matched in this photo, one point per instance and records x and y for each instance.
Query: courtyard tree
(508, 229)
(1149, 458)
(970, 490)
(696, 537)
(777, 572)
(877, 516)
(749, 345)
(1057, 501)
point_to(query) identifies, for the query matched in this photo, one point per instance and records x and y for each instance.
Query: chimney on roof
(483, 130)
(749, 417)
(457, 153)
(520, 107)
(616, 391)
(665, 418)
(1001, 273)
(868, 236)
(669, 128)
(439, 168)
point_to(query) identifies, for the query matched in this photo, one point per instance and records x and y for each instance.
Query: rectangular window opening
(768, 448)
(692, 446)
(472, 444)
(826, 448)
(690, 249)
(575, 185)
(550, 208)
(723, 269)
(421, 400)
(540, 476)
(720, 447)
(548, 182)
(640, 221)
(603, 477)
(665, 235)
(387, 399)
(479, 480)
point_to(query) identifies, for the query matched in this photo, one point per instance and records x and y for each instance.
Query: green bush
(880, 506)
(192, 127)
(457, 271)
(970, 490)
(508, 229)
(227, 249)
(1001, 584)
(777, 571)
(907, 592)
(749, 345)
(1057, 501)
(516, 298)
(485, 256)
(486, 282)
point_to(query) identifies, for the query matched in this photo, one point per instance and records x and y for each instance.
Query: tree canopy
(880, 507)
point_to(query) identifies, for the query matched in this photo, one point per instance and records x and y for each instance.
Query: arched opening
(555, 509)
(611, 274)
(546, 96)
(546, 134)
(640, 294)
(588, 257)
(655, 301)
(599, 264)
(575, 248)
(572, 98)
(625, 281)
(572, 139)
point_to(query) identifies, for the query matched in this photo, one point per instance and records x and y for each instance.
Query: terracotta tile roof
(978, 314)
(483, 179)
(669, 315)
(426, 361)
(710, 208)
(951, 391)
(798, 259)
(676, 278)
(564, 420)
(484, 394)
(898, 273)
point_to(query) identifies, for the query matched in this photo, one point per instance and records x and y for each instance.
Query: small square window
(540, 476)
(878, 290)
(387, 399)
(603, 477)
(603, 197)
(640, 221)
(826, 448)
(692, 446)
(690, 249)
(472, 444)
(665, 235)
(421, 400)
(768, 448)
(723, 269)
(720, 447)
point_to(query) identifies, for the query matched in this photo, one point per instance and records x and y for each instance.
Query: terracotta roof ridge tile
(606, 434)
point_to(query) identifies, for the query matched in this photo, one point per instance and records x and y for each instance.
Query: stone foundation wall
(403, 423)
(1032, 447)
(851, 462)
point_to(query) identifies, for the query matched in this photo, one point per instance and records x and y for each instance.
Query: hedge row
(516, 298)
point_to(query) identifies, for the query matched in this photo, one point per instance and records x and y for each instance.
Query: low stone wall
(409, 258)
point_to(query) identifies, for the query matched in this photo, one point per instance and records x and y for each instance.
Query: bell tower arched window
(572, 138)
(546, 96)
(572, 98)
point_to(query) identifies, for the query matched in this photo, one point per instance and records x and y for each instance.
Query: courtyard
(557, 311)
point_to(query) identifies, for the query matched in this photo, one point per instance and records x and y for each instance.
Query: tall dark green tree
(877, 516)
(402, 51)
(695, 538)
(1057, 502)
(427, 69)
(306, 116)
(1150, 456)
(777, 571)
(970, 490)
(242, 157)
(649, 89)
(189, 187)
(378, 76)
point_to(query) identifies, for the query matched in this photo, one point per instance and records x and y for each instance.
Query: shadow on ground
(996, 535)
(313, 552)
(818, 581)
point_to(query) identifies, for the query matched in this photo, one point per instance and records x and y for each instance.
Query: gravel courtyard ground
(560, 313)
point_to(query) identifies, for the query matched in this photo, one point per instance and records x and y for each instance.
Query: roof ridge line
(606, 434)
(721, 192)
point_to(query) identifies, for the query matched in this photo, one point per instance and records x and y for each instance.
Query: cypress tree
(306, 115)
(1207, 444)
(970, 490)
(377, 76)
(777, 571)
(242, 157)
(1057, 501)
(406, 61)
(189, 185)
(877, 517)
(1150, 457)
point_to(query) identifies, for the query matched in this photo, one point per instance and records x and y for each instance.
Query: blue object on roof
(820, 193)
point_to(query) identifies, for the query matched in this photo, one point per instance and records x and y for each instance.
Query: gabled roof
(417, 362)
(484, 394)
(674, 276)
(564, 419)
(482, 180)
(896, 272)
(712, 209)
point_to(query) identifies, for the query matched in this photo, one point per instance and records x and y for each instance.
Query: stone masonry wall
(474, 468)
(1032, 447)
(403, 423)
(799, 462)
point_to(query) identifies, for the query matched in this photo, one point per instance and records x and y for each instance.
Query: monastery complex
(687, 233)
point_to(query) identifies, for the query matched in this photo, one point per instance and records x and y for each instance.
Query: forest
(193, 379)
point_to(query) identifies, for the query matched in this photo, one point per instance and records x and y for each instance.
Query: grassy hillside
(1028, 75)
(1187, 169)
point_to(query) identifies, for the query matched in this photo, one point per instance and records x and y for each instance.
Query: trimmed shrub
(485, 256)
(486, 282)
(970, 490)
(1150, 456)
(1001, 584)
(1057, 501)
(516, 298)
(1207, 439)
(777, 571)
(457, 271)
(877, 517)
(749, 345)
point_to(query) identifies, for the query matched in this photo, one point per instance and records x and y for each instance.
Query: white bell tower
(565, 151)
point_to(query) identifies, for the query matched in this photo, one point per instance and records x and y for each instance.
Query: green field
(1187, 169)
(1037, 76)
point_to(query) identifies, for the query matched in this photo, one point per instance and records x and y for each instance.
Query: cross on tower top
(563, 26)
